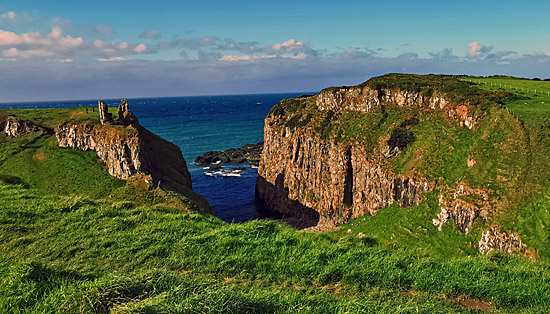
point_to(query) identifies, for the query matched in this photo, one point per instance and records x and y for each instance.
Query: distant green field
(533, 107)
(50, 118)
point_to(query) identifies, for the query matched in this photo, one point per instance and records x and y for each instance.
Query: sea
(199, 124)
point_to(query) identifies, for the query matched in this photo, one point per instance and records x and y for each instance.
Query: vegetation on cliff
(503, 154)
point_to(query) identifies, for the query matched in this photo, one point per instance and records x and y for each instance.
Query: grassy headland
(76, 240)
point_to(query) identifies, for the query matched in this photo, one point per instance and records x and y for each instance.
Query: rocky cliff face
(326, 183)
(130, 151)
(364, 99)
(13, 126)
(120, 148)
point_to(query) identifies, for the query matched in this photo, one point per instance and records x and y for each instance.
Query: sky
(57, 50)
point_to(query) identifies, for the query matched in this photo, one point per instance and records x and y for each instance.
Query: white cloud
(57, 46)
(140, 48)
(112, 59)
(475, 48)
(54, 39)
(151, 34)
(25, 54)
(252, 58)
(245, 58)
(12, 17)
(98, 43)
(290, 46)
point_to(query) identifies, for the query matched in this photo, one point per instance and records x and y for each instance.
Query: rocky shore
(249, 153)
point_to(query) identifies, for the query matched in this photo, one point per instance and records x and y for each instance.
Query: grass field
(94, 257)
(75, 240)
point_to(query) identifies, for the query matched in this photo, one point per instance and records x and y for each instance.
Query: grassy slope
(79, 246)
(532, 217)
(98, 257)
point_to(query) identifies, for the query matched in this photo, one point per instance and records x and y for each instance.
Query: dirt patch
(76, 113)
(182, 271)
(39, 156)
(473, 304)
(409, 293)
(465, 302)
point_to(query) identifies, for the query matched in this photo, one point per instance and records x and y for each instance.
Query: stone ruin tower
(104, 115)
(125, 116)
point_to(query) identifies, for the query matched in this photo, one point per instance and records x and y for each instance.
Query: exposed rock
(13, 126)
(104, 114)
(326, 183)
(141, 180)
(249, 153)
(471, 161)
(364, 99)
(494, 239)
(389, 152)
(463, 207)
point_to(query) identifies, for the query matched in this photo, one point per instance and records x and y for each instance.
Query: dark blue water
(197, 125)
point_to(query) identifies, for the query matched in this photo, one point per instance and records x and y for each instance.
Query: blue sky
(100, 49)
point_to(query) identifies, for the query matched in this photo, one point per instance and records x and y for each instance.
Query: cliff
(327, 183)
(395, 139)
(131, 152)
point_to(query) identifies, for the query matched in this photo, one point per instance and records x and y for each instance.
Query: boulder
(249, 153)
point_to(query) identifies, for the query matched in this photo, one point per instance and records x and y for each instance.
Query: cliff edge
(130, 151)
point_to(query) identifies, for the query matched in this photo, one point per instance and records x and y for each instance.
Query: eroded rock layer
(364, 99)
(326, 183)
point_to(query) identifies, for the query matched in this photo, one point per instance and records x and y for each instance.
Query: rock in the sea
(249, 153)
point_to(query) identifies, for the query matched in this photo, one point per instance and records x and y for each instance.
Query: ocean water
(197, 125)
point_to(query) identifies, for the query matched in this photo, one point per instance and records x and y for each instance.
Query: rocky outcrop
(326, 183)
(364, 99)
(463, 206)
(249, 153)
(13, 126)
(494, 239)
(131, 152)
(120, 149)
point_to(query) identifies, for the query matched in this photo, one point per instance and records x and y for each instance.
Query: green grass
(51, 118)
(533, 103)
(101, 258)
